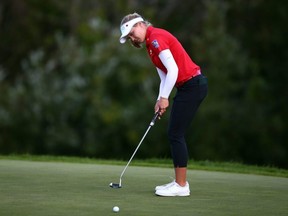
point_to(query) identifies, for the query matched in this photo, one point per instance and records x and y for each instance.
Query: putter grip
(154, 118)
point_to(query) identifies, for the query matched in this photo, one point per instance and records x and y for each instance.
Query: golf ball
(116, 209)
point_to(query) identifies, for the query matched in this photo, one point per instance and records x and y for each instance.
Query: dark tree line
(67, 87)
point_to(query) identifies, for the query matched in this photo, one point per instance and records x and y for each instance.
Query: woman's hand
(161, 105)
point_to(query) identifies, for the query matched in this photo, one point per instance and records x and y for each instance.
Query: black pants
(186, 102)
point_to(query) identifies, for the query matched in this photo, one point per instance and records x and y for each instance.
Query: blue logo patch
(155, 43)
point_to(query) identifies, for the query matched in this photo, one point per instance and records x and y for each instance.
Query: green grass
(162, 163)
(72, 186)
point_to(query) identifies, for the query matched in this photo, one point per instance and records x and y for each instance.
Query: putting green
(68, 189)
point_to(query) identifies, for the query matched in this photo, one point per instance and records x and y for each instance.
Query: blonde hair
(132, 16)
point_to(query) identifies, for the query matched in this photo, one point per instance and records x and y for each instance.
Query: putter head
(115, 185)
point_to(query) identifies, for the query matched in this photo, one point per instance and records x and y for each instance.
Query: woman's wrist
(163, 98)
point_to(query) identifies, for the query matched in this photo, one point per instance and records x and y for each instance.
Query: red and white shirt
(159, 40)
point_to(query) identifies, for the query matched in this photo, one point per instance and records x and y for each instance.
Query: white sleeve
(169, 79)
(162, 76)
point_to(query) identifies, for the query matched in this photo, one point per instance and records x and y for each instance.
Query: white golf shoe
(173, 189)
(161, 187)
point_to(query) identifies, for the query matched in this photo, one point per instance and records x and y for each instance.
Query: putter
(118, 185)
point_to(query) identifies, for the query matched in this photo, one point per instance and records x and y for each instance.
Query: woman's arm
(167, 80)
(172, 73)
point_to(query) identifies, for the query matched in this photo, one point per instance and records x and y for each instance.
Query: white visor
(126, 28)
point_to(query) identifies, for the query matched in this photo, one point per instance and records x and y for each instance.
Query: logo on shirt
(155, 44)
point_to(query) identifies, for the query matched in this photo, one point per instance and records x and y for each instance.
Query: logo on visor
(155, 44)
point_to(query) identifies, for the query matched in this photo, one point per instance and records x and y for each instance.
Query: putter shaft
(155, 117)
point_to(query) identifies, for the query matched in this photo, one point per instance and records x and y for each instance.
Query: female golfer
(175, 68)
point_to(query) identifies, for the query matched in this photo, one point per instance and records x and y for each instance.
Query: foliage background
(67, 87)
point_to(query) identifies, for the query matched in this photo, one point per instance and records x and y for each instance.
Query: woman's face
(138, 33)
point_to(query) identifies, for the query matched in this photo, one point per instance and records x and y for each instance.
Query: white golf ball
(116, 209)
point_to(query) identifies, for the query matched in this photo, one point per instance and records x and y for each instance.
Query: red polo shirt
(159, 39)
